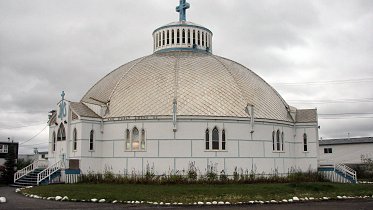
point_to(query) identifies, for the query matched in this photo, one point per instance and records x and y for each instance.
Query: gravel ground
(18, 201)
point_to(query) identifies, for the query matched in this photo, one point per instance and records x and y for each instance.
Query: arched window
(159, 39)
(172, 37)
(223, 140)
(178, 36)
(207, 40)
(198, 39)
(168, 37)
(128, 140)
(305, 146)
(135, 139)
(215, 138)
(75, 143)
(194, 37)
(278, 140)
(54, 141)
(61, 134)
(142, 139)
(273, 140)
(188, 36)
(207, 139)
(91, 136)
(183, 36)
(203, 38)
(163, 38)
(282, 141)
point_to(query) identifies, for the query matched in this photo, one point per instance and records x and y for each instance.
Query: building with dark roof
(4, 150)
(346, 150)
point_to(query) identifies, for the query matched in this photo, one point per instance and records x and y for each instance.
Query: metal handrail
(46, 173)
(346, 170)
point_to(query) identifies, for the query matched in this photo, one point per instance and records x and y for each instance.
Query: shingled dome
(201, 83)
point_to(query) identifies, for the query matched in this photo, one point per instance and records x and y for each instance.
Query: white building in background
(347, 151)
(181, 105)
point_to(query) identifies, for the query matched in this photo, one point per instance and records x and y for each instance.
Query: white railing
(347, 171)
(46, 173)
(71, 178)
(28, 169)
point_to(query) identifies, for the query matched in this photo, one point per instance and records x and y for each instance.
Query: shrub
(192, 172)
(149, 173)
(109, 177)
(236, 176)
(223, 178)
(211, 174)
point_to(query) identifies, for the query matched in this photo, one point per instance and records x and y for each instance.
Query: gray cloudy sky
(315, 53)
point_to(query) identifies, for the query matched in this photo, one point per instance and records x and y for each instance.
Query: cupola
(182, 35)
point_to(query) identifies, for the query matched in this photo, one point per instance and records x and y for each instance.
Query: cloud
(48, 46)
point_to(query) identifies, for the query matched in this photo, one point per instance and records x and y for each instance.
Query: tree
(21, 163)
(10, 165)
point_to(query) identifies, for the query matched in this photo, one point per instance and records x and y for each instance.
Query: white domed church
(181, 105)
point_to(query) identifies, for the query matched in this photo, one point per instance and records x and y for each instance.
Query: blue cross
(182, 9)
(62, 105)
(63, 95)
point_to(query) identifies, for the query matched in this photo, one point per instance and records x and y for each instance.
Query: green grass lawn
(200, 192)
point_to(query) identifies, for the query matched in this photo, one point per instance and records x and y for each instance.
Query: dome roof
(203, 85)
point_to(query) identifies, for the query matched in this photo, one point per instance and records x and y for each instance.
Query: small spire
(182, 9)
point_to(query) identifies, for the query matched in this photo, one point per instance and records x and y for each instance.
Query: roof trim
(361, 140)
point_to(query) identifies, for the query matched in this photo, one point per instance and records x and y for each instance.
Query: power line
(34, 136)
(350, 117)
(329, 82)
(334, 114)
(32, 145)
(24, 112)
(21, 126)
(346, 115)
(332, 101)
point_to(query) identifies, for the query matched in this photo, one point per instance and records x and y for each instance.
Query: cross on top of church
(62, 106)
(63, 95)
(183, 6)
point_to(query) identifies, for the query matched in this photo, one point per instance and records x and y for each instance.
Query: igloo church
(180, 105)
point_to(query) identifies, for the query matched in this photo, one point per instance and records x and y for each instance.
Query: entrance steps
(338, 172)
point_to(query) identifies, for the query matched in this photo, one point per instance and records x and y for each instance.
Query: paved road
(18, 201)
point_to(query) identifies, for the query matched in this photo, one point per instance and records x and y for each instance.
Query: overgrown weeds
(193, 176)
